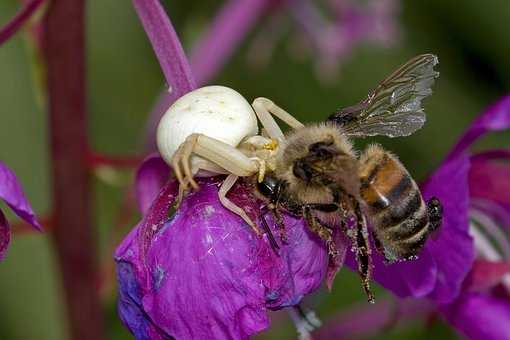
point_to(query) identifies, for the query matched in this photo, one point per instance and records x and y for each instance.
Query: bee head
(269, 187)
(435, 212)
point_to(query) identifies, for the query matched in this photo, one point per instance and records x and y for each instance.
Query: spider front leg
(265, 108)
(225, 156)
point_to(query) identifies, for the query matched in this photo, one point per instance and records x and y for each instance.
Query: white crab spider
(213, 130)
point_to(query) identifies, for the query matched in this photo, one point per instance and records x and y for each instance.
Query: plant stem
(64, 47)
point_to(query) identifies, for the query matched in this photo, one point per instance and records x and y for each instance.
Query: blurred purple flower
(12, 194)
(331, 35)
(482, 310)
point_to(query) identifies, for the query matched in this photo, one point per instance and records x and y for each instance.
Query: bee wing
(393, 109)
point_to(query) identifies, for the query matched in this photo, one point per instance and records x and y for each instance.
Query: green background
(470, 38)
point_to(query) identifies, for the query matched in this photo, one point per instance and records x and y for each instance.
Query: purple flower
(331, 35)
(12, 194)
(482, 310)
(203, 273)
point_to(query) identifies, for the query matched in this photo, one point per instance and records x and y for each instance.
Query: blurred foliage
(124, 80)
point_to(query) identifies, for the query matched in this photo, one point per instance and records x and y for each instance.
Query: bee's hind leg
(361, 242)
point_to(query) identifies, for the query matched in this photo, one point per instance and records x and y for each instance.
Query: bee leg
(280, 224)
(267, 230)
(318, 228)
(363, 251)
(222, 194)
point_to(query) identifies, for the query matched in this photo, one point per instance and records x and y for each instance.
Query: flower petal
(12, 193)
(480, 316)
(207, 275)
(5, 235)
(495, 118)
(151, 176)
(452, 248)
(130, 304)
(490, 180)
(486, 274)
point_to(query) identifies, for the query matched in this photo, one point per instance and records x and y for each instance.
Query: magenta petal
(207, 275)
(151, 176)
(452, 248)
(166, 45)
(490, 180)
(12, 193)
(486, 274)
(5, 235)
(410, 278)
(21, 18)
(155, 218)
(480, 316)
(495, 118)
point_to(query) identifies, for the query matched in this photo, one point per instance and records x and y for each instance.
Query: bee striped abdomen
(395, 205)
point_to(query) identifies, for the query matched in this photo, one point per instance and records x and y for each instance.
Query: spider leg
(265, 108)
(222, 194)
(221, 155)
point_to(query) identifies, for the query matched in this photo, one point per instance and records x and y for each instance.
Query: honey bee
(320, 177)
(314, 172)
